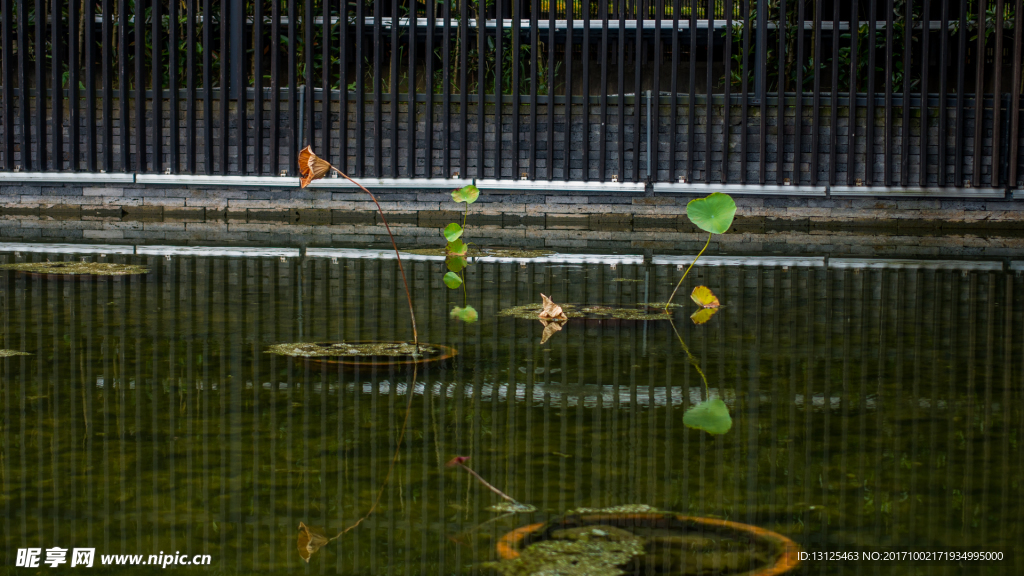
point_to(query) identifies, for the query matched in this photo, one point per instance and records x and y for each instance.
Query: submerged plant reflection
(711, 415)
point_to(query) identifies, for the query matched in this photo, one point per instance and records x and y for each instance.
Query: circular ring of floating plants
(364, 353)
(784, 553)
(75, 270)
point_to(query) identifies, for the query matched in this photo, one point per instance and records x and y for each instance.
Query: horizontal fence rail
(872, 93)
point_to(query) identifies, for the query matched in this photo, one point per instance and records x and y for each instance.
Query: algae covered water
(876, 405)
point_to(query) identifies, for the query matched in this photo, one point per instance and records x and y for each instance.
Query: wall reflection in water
(871, 406)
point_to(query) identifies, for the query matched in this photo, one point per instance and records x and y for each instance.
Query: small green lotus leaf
(467, 194)
(712, 214)
(467, 314)
(711, 416)
(452, 280)
(452, 232)
(457, 248)
(456, 263)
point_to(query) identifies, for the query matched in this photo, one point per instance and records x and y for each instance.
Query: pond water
(875, 404)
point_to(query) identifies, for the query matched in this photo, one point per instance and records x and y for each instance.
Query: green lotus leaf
(452, 232)
(467, 194)
(457, 248)
(452, 280)
(467, 314)
(456, 263)
(712, 214)
(711, 416)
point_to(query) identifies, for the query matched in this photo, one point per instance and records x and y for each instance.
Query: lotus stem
(408, 294)
(673, 295)
(458, 461)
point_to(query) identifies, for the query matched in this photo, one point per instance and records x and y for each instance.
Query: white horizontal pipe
(739, 261)
(195, 180)
(915, 264)
(420, 183)
(217, 251)
(929, 191)
(703, 189)
(560, 186)
(69, 177)
(67, 248)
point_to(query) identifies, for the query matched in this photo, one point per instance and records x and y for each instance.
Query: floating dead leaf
(311, 539)
(311, 167)
(550, 327)
(551, 311)
(704, 297)
(76, 268)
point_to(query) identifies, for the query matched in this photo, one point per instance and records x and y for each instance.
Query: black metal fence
(855, 92)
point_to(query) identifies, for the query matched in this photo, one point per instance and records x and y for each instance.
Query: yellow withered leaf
(311, 539)
(704, 297)
(551, 310)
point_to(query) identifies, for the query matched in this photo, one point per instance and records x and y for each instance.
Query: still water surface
(872, 406)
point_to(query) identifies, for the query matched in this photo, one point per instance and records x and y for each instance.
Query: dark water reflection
(871, 406)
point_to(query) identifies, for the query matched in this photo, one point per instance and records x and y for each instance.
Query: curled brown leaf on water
(311, 166)
(550, 327)
(311, 539)
(551, 310)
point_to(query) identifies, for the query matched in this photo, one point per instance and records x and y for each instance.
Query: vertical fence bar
(90, 88)
(122, 85)
(816, 114)
(727, 109)
(411, 106)
(309, 79)
(239, 82)
(997, 101)
(275, 85)
(396, 61)
(869, 123)
(8, 92)
(958, 174)
(107, 80)
(293, 97)
(637, 78)
(499, 30)
(257, 80)
(56, 68)
(709, 108)
(325, 80)
(428, 81)
(446, 94)
(40, 38)
(585, 65)
(925, 55)
(517, 66)
(208, 87)
(798, 112)
(463, 83)
(360, 131)
(890, 13)
(940, 173)
(225, 84)
(621, 100)
(762, 95)
(674, 88)
(1015, 95)
(481, 91)
(172, 84)
(979, 93)
(534, 79)
(691, 144)
(343, 51)
(833, 132)
(851, 147)
(908, 32)
(745, 107)
(780, 115)
(24, 97)
(567, 130)
(550, 47)
(158, 93)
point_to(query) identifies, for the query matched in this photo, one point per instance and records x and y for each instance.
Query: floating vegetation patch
(663, 305)
(364, 353)
(491, 252)
(532, 312)
(76, 268)
(623, 509)
(584, 551)
(9, 353)
(626, 280)
(339, 349)
(512, 507)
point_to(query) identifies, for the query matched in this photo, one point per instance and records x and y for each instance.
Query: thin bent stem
(690, 356)
(408, 294)
(706, 244)
(488, 485)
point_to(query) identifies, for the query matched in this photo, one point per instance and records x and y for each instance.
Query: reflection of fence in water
(143, 422)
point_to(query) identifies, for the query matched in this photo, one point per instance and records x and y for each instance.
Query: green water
(871, 408)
